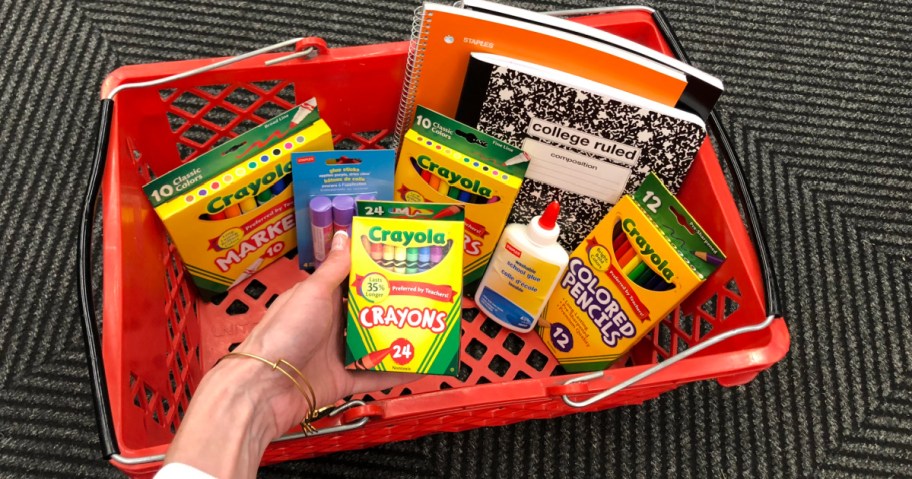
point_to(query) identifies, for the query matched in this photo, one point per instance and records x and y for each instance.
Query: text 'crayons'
(632, 265)
(405, 259)
(444, 188)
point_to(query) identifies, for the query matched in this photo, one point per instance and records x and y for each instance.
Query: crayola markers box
(444, 161)
(405, 288)
(230, 211)
(638, 264)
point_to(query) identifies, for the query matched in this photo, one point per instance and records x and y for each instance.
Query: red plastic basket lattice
(159, 339)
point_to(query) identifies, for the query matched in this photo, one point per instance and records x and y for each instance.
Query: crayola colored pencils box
(230, 211)
(405, 288)
(639, 263)
(444, 161)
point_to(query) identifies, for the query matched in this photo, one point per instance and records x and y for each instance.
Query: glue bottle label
(517, 290)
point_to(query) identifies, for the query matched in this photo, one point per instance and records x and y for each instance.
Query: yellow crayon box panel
(236, 215)
(405, 288)
(442, 160)
(644, 258)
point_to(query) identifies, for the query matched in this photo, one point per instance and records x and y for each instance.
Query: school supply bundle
(155, 356)
(229, 212)
(588, 143)
(442, 160)
(642, 260)
(326, 184)
(405, 288)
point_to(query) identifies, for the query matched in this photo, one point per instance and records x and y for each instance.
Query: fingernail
(340, 240)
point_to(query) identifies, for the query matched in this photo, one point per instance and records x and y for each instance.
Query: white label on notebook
(575, 173)
(578, 140)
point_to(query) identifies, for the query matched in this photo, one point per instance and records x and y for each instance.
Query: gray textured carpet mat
(819, 106)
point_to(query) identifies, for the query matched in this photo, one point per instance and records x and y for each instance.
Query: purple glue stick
(343, 209)
(321, 227)
(365, 197)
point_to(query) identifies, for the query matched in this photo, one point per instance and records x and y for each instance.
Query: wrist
(232, 418)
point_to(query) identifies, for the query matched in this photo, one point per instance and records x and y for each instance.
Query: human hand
(304, 327)
(241, 404)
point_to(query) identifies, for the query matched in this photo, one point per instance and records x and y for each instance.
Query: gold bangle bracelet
(280, 365)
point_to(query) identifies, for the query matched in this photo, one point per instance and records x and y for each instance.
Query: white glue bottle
(524, 269)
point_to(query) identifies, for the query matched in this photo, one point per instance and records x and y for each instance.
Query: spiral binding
(417, 46)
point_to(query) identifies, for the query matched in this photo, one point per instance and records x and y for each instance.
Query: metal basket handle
(754, 229)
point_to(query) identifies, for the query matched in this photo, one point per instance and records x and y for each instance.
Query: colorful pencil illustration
(405, 260)
(424, 258)
(632, 266)
(436, 255)
(400, 253)
(709, 258)
(415, 165)
(248, 204)
(626, 254)
(232, 211)
(434, 181)
(389, 256)
(264, 196)
(411, 261)
(280, 185)
(376, 251)
(643, 276)
(444, 187)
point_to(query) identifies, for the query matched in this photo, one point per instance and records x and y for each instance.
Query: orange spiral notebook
(445, 36)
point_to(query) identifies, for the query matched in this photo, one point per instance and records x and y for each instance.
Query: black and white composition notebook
(588, 143)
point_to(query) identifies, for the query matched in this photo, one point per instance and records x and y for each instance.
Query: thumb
(337, 265)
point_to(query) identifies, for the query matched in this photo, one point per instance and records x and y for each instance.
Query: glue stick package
(405, 288)
(640, 262)
(326, 186)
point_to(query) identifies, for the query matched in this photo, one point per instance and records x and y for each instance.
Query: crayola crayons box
(405, 288)
(639, 263)
(444, 161)
(230, 211)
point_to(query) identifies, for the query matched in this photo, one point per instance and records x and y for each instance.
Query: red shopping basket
(158, 338)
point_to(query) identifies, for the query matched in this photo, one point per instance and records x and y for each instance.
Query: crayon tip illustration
(446, 248)
(366, 243)
(709, 258)
(447, 212)
(371, 361)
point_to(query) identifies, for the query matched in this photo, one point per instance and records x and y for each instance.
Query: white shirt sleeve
(176, 470)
